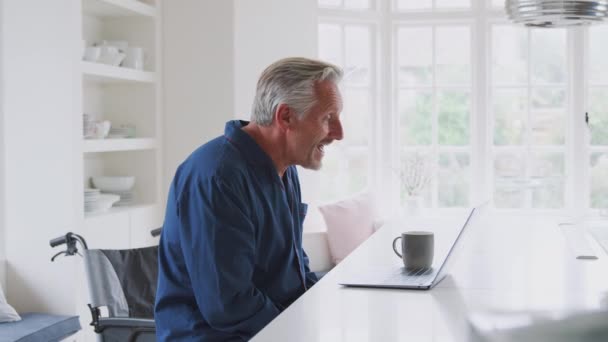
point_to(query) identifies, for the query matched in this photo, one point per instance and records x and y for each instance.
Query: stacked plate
(122, 131)
(119, 186)
(96, 202)
(91, 198)
(126, 198)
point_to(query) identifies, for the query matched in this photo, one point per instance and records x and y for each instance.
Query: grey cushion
(37, 327)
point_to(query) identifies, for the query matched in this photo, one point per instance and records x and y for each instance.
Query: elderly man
(230, 254)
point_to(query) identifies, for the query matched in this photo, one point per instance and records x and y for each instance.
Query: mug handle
(395, 249)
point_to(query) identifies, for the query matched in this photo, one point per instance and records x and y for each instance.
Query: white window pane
(332, 186)
(415, 175)
(509, 107)
(548, 56)
(447, 4)
(356, 116)
(408, 5)
(497, 3)
(415, 55)
(509, 178)
(415, 112)
(598, 50)
(454, 179)
(330, 43)
(598, 115)
(453, 55)
(599, 180)
(357, 4)
(453, 112)
(358, 54)
(547, 180)
(344, 172)
(357, 171)
(509, 54)
(330, 3)
(548, 114)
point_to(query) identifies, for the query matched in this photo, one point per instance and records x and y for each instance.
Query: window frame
(384, 146)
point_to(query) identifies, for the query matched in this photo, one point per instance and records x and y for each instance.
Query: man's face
(318, 128)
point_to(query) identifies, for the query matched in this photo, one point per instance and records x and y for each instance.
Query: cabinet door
(109, 231)
(143, 220)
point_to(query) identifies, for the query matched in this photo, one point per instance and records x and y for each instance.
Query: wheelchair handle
(156, 232)
(58, 241)
(70, 239)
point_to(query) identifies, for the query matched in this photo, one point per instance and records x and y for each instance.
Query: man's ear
(284, 116)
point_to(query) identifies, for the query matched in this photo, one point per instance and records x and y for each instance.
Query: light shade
(556, 13)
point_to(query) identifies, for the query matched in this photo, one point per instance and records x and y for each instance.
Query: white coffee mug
(417, 249)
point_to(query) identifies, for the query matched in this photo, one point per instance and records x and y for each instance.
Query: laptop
(417, 279)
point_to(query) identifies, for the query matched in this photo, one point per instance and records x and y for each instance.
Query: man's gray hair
(290, 81)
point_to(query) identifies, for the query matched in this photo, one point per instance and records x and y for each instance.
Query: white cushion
(316, 247)
(7, 313)
(349, 223)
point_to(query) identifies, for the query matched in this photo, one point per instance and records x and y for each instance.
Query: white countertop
(503, 264)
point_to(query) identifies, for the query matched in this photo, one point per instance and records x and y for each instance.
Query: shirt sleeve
(218, 245)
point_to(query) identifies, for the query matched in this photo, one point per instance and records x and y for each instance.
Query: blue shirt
(230, 253)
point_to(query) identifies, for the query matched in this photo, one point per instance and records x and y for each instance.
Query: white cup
(134, 58)
(111, 55)
(92, 53)
(417, 249)
(102, 128)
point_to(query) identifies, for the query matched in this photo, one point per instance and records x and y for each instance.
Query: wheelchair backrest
(123, 280)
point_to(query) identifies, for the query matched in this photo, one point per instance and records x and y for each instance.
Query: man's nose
(335, 130)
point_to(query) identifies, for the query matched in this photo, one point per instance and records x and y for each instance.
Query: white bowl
(111, 184)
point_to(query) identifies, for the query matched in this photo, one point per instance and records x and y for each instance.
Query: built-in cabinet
(127, 97)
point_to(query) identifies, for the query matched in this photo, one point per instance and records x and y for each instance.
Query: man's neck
(270, 142)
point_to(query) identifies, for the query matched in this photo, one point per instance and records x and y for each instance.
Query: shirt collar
(252, 152)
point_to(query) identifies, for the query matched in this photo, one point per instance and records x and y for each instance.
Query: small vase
(412, 206)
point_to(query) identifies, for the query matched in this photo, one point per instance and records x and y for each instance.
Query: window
(494, 107)
(528, 92)
(347, 168)
(434, 106)
(597, 100)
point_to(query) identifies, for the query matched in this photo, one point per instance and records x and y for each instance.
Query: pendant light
(556, 13)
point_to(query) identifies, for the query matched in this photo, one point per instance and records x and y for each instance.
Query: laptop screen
(473, 217)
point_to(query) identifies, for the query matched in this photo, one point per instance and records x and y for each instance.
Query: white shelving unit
(96, 72)
(115, 145)
(118, 8)
(124, 96)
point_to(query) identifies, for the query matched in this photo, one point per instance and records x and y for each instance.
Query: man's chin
(313, 165)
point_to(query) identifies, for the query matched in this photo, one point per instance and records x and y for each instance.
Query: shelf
(117, 8)
(112, 145)
(118, 210)
(98, 72)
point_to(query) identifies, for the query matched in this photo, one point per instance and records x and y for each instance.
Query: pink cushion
(349, 223)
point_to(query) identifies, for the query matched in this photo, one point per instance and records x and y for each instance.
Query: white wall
(265, 31)
(2, 135)
(198, 75)
(39, 81)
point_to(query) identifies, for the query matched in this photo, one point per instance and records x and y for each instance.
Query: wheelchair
(122, 281)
